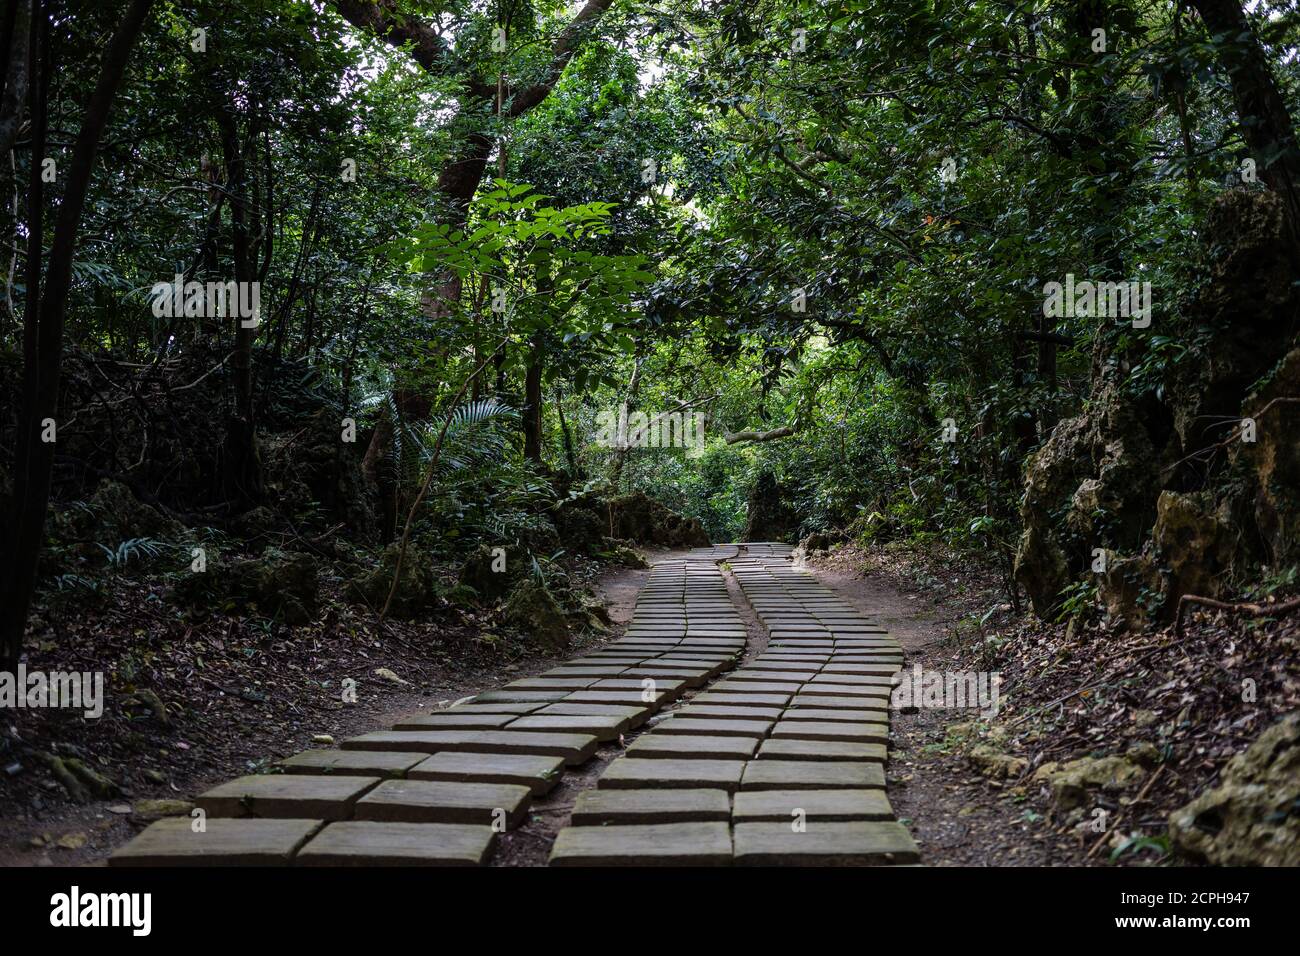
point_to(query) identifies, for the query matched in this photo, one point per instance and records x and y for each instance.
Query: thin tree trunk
(241, 466)
(532, 415)
(1262, 112)
(46, 305)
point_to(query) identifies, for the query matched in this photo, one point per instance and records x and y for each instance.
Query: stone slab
(453, 721)
(824, 844)
(538, 772)
(574, 748)
(375, 843)
(812, 775)
(224, 842)
(497, 708)
(601, 727)
(660, 746)
(634, 715)
(780, 805)
(665, 844)
(728, 711)
(829, 730)
(357, 763)
(684, 724)
(628, 773)
(439, 801)
(864, 716)
(604, 807)
(786, 749)
(287, 796)
(520, 696)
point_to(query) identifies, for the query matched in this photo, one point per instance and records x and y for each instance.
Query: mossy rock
(417, 588)
(1252, 818)
(533, 610)
(489, 573)
(279, 584)
(1074, 783)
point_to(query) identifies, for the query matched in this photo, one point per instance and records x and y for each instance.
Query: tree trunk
(1261, 111)
(44, 314)
(241, 465)
(532, 416)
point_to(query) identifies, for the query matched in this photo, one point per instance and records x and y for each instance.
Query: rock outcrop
(1157, 476)
(1252, 818)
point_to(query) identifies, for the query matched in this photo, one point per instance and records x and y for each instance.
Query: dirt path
(958, 817)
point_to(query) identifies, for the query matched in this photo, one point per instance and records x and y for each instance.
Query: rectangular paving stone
(584, 670)
(757, 687)
(812, 775)
(453, 721)
(551, 683)
(855, 680)
(661, 746)
(830, 730)
(786, 749)
(836, 703)
(696, 711)
(741, 700)
(630, 773)
(439, 801)
(780, 805)
(664, 844)
(824, 844)
(634, 715)
(684, 724)
(603, 807)
(767, 676)
(375, 843)
(501, 707)
(224, 842)
(877, 715)
(814, 689)
(288, 796)
(538, 772)
(356, 763)
(520, 696)
(636, 682)
(601, 727)
(621, 697)
(574, 748)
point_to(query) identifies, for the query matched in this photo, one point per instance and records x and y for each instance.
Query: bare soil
(956, 816)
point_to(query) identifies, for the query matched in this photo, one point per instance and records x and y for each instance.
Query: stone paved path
(780, 761)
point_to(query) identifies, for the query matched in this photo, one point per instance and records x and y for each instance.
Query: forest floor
(1100, 733)
(957, 816)
(237, 695)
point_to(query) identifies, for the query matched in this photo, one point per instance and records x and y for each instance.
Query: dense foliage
(828, 228)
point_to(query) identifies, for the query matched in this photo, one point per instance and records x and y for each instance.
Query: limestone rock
(770, 516)
(532, 610)
(1132, 589)
(279, 584)
(1194, 543)
(992, 762)
(417, 587)
(1251, 818)
(1072, 784)
(487, 573)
